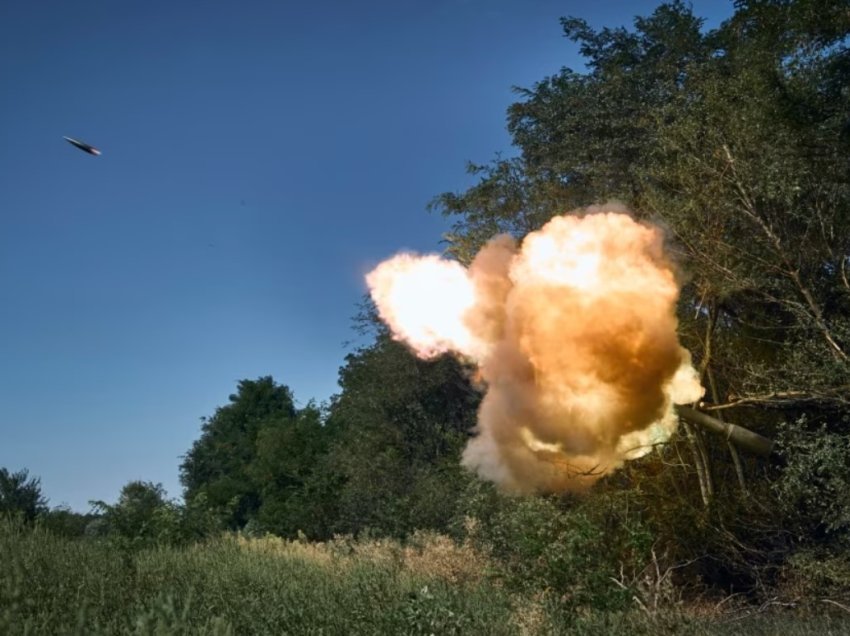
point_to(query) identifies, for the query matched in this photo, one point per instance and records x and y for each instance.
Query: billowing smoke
(574, 335)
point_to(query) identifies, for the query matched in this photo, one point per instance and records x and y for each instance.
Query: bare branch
(749, 208)
(780, 399)
(836, 603)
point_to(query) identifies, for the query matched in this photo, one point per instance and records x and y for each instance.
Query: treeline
(737, 141)
(383, 457)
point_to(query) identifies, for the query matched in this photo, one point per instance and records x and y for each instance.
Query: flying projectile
(82, 146)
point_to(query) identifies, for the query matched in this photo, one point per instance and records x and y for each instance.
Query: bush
(812, 574)
(586, 553)
(65, 522)
(814, 487)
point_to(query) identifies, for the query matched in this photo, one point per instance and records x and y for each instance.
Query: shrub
(586, 553)
(814, 487)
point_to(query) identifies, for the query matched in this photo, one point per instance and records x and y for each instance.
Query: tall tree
(290, 471)
(21, 494)
(216, 468)
(736, 140)
(399, 426)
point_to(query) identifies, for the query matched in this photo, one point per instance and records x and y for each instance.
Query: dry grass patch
(427, 555)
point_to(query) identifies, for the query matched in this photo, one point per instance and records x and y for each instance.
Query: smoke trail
(574, 335)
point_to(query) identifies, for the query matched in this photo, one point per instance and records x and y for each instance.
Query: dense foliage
(735, 140)
(218, 466)
(20, 494)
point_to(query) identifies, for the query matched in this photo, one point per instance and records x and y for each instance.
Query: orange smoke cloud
(574, 335)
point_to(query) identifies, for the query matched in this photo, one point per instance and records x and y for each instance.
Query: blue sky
(258, 159)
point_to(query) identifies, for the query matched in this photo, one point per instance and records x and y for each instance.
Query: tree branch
(783, 398)
(749, 208)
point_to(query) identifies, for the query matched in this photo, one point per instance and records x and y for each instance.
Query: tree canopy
(735, 140)
(21, 494)
(217, 467)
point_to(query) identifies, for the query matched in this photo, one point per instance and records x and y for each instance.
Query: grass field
(233, 585)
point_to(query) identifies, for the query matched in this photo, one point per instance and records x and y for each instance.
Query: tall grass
(233, 585)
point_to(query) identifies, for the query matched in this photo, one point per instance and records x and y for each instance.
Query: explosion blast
(574, 335)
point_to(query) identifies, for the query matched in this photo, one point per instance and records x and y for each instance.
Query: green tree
(399, 426)
(21, 494)
(287, 470)
(583, 137)
(142, 515)
(64, 522)
(736, 141)
(217, 465)
(750, 176)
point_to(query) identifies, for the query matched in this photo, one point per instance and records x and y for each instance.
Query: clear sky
(258, 158)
